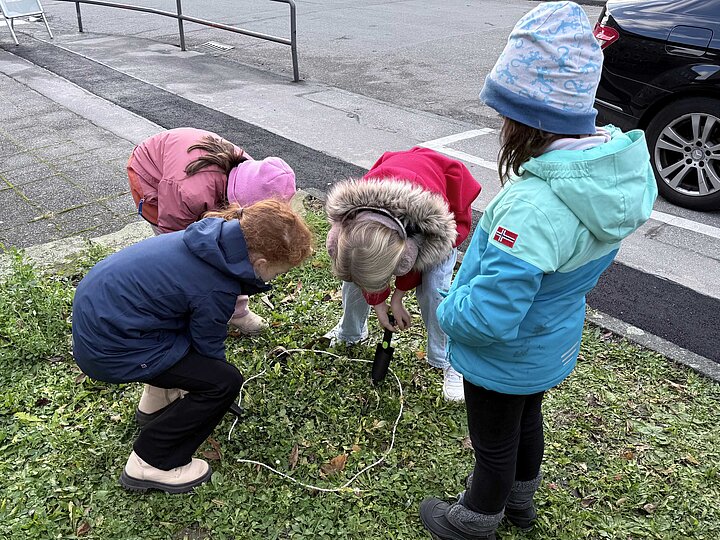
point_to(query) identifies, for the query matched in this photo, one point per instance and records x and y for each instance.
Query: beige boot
(139, 475)
(154, 401)
(248, 325)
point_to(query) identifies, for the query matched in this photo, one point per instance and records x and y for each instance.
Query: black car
(662, 74)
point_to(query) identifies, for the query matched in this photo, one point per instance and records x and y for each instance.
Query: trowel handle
(387, 335)
(383, 356)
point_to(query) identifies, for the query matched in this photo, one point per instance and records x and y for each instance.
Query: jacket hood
(424, 214)
(221, 244)
(610, 188)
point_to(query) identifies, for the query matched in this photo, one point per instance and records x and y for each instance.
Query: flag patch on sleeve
(505, 237)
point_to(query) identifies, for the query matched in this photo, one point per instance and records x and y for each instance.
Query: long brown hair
(219, 152)
(519, 143)
(272, 230)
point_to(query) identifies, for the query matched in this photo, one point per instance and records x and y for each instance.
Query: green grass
(633, 441)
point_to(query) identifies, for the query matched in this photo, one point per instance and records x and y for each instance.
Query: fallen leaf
(288, 298)
(265, 300)
(335, 465)
(649, 508)
(628, 454)
(355, 448)
(216, 446)
(587, 502)
(80, 378)
(677, 386)
(83, 529)
(467, 443)
(420, 355)
(116, 418)
(294, 454)
(691, 459)
(212, 455)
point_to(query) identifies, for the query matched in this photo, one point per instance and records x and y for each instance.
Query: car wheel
(684, 144)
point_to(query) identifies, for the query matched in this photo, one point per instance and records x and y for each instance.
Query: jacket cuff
(376, 298)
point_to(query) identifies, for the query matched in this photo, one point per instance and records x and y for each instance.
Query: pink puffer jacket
(165, 195)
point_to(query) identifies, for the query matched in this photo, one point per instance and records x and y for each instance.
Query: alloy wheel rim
(687, 154)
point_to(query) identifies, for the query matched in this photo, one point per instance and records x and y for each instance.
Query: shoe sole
(236, 332)
(142, 486)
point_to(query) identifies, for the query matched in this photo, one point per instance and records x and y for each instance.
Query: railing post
(181, 28)
(79, 16)
(293, 43)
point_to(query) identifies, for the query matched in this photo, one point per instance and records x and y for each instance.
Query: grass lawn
(632, 441)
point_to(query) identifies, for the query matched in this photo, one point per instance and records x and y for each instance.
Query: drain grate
(215, 47)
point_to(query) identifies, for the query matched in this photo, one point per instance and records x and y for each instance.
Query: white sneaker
(453, 389)
(139, 475)
(249, 325)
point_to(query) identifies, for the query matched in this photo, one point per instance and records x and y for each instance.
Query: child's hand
(403, 319)
(381, 310)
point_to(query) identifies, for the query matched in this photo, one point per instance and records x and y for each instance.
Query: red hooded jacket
(439, 174)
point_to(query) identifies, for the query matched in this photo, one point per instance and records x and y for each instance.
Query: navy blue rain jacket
(139, 311)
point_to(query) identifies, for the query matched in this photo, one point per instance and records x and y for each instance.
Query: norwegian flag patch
(505, 237)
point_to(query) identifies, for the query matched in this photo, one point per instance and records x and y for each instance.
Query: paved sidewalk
(60, 174)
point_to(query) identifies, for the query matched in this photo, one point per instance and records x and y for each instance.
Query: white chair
(12, 9)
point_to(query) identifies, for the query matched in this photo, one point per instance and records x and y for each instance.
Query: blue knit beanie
(548, 73)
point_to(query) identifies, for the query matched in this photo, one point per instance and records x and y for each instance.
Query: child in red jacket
(404, 218)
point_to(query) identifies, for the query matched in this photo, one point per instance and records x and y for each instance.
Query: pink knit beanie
(254, 181)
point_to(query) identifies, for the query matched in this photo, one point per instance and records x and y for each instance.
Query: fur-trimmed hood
(424, 214)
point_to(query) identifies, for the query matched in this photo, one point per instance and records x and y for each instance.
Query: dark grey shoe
(520, 508)
(455, 522)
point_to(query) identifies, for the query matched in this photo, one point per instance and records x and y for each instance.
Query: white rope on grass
(346, 485)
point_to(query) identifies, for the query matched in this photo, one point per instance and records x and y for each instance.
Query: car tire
(684, 144)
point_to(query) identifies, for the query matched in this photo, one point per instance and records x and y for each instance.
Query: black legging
(170, 440)
(507, 435)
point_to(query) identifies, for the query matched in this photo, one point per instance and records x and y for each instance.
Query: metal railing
(181, 18)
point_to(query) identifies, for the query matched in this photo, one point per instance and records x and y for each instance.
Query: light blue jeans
(353, 324)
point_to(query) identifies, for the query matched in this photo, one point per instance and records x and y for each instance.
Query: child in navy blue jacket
(157, 312)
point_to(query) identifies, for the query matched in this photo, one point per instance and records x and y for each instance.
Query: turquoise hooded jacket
(515, 311)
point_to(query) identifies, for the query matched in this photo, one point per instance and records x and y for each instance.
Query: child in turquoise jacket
(514, 313)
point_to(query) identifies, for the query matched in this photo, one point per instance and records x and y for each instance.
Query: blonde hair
(367, 254)
(272, 230)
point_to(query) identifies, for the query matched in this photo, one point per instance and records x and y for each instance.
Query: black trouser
(213, 385)
(507, 435)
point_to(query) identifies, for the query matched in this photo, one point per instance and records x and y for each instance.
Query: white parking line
(440, 146)
(688, 224)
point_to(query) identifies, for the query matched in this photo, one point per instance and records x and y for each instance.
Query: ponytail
(220, 152)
